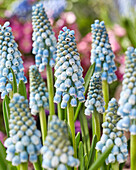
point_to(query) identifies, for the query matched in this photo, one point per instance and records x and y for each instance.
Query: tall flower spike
(24, 142)
(127, 109)
(38, 91)
(69, 83)
(102, 53)
(44, 46)
(10, 57)
(95, 99)
(57, 152)
(111, 135)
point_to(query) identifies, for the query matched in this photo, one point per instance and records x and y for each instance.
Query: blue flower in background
(111, 135)
(38, 91)
(10, 57)
(44, 45)
(68, 70)
(101, 52)
(24, 142)
(54, 8)
(95, 100)
(57, 151)
(21, 9)
(127, 101)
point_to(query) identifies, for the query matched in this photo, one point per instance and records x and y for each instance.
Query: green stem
(133, 151)
(70, 115)
(115, 166)
(105, 89)
(23, 166)
(60, 112)
(96, 125)
(85, 131)
(50, 89)
(43, 123)
(37, 165)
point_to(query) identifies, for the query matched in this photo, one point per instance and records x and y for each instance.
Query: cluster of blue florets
(95, 100)
(24, 142)
(44, 46)
(68, 70)
(38, 91)
(22, 9)
(127, 109)
(111, 135)
(54, 8)
(10, 57)
(101, 52)
(57, 152)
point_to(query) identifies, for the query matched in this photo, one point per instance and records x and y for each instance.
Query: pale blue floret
(68, 70)
(24, 142)
(38, 91)
(95, 100)
(8, 53)
(127, 99)
(111, 135)
(102, 53)
(57, 152)
(44, 45)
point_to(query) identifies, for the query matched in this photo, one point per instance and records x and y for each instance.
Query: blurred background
(118, 15)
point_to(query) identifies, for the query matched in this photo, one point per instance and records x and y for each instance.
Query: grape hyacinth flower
(68, 71)
(44, 45)
(102, 53)
(24, 142)
(111, 135)
(103, 57)
(10, 57)
(38, 91)
(54, 8)
(95, 99)
(127, 101)
(57, 152)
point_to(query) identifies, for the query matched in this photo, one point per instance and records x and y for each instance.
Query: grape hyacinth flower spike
(38, 91)
(10, 57)
(95, 102)
(68, 71)
(57, 152)
(44, 47)
(24, 142)
(38, 97)
(127, 101)
(103, 57)
(111, 135)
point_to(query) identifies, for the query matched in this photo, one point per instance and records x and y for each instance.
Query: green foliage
(22, 89)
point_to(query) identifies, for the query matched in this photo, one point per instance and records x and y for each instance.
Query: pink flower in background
(27, 28)
(121, 68)
(77, 126)
(119, 31)
(114, 43)
(2, 137)
(25, 44)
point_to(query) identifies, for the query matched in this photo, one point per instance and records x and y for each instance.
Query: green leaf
(87, 80)
(5, 118)
(81, 156)
(100, 160)
(22, 89)
(92, 151)
(7, 101)
(2, 157)
(86, 160)
(77, 139)
(14, 81)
